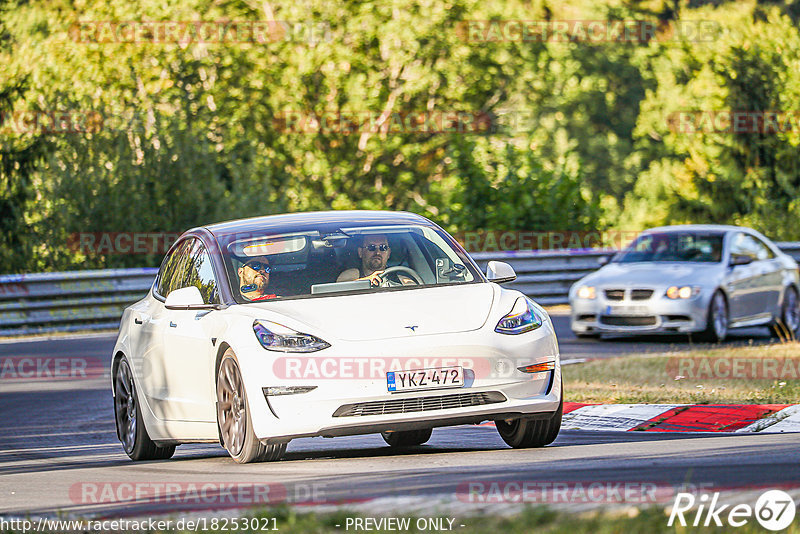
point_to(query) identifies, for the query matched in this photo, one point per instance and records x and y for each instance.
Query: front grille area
(615, 294)
(624, 320)
(641, 294)
(419, 404)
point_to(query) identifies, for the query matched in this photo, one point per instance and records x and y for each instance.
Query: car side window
(747, 245)
(200, 273)
(169, 277)
(742, 246)
(764, 252)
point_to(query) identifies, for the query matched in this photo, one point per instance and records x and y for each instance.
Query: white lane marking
(613, 416)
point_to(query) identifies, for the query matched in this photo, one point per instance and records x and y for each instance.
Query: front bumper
(657, 314)
(493, 389)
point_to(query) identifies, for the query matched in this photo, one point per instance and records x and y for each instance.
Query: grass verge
(708, 376)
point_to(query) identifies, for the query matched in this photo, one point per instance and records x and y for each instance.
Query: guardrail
(94, 300)
(70, 301)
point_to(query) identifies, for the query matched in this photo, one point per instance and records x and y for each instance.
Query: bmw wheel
(407, 438)
(128, 416)
(524, 433)
(717, 322)
(233, 417)
(788, 324)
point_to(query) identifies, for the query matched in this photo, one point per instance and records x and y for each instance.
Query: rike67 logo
(774, 510)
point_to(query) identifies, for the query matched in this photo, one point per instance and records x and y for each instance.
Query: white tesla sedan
(690, 278)
(263, 330)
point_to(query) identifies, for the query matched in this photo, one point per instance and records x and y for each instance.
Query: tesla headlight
(682, 292)
(274, 336)
(586, 292)
(522, 318)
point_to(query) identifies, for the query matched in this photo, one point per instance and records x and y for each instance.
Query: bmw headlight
(274, 336)
(522, 318)
(586, 292)
(682, 292)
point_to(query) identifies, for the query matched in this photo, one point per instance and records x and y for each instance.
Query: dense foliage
(561, 135)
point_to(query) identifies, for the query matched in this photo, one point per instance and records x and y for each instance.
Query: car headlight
(522, 318)
(274, 336)
(586, 292)
(682, 292)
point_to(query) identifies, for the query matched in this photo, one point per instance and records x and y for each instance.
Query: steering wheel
(384, 276)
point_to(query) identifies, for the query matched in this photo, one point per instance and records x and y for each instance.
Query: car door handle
(172, 325)
(137, 320)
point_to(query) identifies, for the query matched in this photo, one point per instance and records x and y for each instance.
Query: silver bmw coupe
(705, 279)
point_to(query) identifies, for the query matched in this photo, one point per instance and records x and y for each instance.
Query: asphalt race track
(59, 452)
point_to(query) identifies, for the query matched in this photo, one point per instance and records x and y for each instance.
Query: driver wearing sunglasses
(374, 253)
(254, 278)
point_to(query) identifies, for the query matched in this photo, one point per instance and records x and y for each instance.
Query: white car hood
(365, 317)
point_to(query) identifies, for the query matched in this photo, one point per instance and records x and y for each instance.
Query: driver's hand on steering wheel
(375, 279)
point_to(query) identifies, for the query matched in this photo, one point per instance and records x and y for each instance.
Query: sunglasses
(372, 248)
(258, 266)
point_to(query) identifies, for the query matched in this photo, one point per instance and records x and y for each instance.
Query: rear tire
(717, 319)
(407, 438)
(789, 321)
(233, 417)
(524, 433)
(130, 424)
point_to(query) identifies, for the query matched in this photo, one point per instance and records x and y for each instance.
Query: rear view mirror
(446, 270)
(499, 272)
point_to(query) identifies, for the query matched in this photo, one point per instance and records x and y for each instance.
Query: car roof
(699, 228)
(304, 221)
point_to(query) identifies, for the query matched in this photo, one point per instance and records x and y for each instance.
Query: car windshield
(343, 260)
(674, 246)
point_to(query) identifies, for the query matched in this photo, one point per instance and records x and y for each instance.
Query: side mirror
(740, 259)
(603, 260)
(499, 272)
(187, 298)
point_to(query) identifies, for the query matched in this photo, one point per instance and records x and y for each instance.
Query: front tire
(130, 424)
(407, 438)
(233, 417)
(524, 433)
(717, 320)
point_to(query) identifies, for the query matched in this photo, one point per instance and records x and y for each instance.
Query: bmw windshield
(693, 247)
(328, 261)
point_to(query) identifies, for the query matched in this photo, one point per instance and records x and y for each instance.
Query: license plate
(432, 378)
(627, 310)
